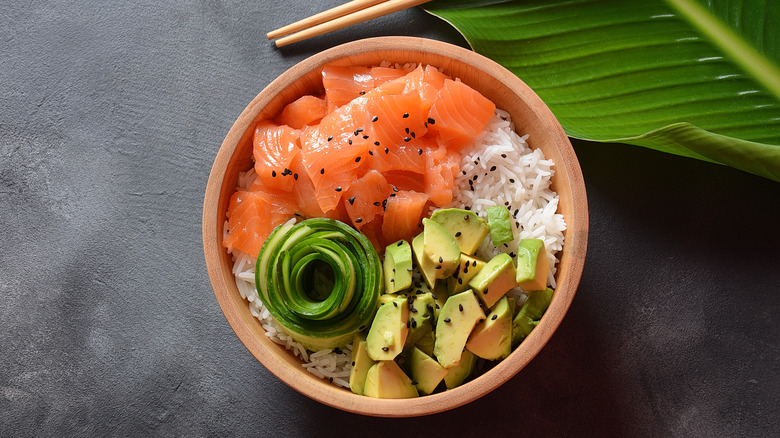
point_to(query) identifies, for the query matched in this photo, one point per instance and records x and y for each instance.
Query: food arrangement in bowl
(385, 219)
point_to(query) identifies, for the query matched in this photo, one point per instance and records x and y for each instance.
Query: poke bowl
(511, 99)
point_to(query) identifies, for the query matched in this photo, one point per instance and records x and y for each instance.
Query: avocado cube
(500, 225)
(468, 229)
(388, 331)
(494, 279)
(491, 339)
(386, 379)
(425, 371)
(532, 265)
(398, 266)
(361, 362)
(532, 311)
(458, 373)
(426, 266)
(468, 268)
(440, 248)
(421, 317)
(461, 312)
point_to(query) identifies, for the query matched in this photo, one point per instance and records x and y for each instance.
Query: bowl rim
(269, 354)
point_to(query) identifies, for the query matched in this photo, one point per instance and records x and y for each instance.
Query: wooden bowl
(531, 116)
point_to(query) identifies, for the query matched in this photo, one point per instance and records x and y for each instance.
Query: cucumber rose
(320, 279)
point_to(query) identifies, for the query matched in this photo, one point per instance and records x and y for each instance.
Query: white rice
(531, 201)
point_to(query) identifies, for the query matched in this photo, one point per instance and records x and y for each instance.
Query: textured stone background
(111, 113)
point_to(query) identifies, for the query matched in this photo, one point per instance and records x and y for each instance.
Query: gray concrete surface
(110, 116)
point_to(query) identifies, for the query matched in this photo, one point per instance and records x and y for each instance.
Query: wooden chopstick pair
(356, 11)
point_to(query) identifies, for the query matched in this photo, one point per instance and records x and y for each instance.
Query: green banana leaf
(697, 78)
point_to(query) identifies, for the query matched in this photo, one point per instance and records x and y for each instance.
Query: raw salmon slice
(251, 218)
(274, 148)
(408, 157)
(403, 215)
(441, 168)
(395, 119)
(459, 114)
(307, 110)
(345, 83)
(365, 198)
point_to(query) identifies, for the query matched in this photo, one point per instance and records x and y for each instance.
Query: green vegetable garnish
(320, 279)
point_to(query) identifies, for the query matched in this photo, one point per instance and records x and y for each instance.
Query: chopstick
(356, 11)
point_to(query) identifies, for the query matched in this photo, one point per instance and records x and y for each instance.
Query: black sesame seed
(492, 168)
(458, 234)
(409, 324)
(395, 304)
(407, 139)
(351, 201)
(485, 291)
(385, 348)
(503, 155)
(395, 189)
(295, 175)
(460, 281)
(330, 379)
(330, 137)
(512, 180)
(414, 323)
(357, 159)
(407, 130)
(406, 115)
(412, 134)
(467, 208)
(414, 310)
(476, 162)
(466, 217)
(377, 203)
(400, 242)
(433, 296)
(337, 350)
(374, 119)
(494, 317)
(512, 254)
(475, 177)
(441, 260)
(362, 92)
(517, 210)
(365, 137)
(358, 220)
(447, 320)
(419, 151)
(460, 307)
(322, 171)
(463, 172)
(387, 151)
(349, 141)
(338, 189)
(431, 121)
(392, 280)
(474, 263)
(370, 152)
(392, 195)
(353, 363)
(438, 266)
(376, 143)
(273, 173)
(437, 306)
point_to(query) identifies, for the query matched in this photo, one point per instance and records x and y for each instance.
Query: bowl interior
(530, 115)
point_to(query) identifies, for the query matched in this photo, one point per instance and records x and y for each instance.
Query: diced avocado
(460, 372)
(427, 268)
(425, 371)
(388, 331)
(398, 266)
(440, 248)
(492, 338)
(421, 317)
(494, 279)
(456, 320)
(468, 268)
(386, 379)
(532, 311)
(500, 225)
(361, 362)
(426, 343)
(532, 265)
(468, 229)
